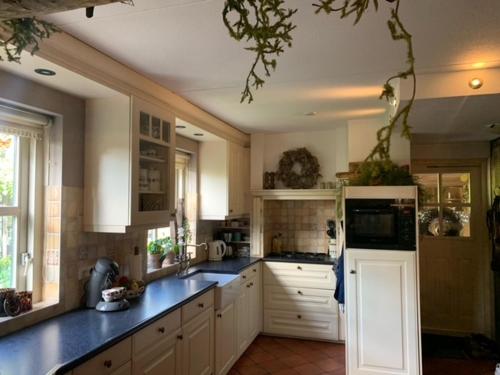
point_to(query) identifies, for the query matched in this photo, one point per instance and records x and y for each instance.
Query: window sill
(40, 311)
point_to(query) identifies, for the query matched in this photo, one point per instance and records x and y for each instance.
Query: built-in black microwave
(388, 224)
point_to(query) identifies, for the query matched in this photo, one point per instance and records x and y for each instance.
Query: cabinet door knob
(299, 316)
(243, 276)
(248, 285)
(201, 305)
(230, 211)
(299, 292)
(299, 267)
(353, 272)
(108, 363)
(219, 315)
(254, 270)
(180, 337)
(161, 329)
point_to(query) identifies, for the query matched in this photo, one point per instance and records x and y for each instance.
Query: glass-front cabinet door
(153, 163)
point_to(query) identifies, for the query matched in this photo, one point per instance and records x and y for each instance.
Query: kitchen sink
(227, 289)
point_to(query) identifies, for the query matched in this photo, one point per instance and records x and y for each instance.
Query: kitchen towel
(339, 272)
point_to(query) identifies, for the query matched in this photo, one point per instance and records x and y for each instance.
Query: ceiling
(333, 68)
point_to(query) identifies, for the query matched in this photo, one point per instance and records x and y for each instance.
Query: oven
(386, 224)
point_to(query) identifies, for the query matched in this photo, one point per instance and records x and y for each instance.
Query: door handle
(353, 272)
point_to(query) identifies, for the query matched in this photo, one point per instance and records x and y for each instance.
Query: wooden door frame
(423, 166)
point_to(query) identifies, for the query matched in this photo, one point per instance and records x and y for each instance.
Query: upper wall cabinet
(129, 164)
(224, 180)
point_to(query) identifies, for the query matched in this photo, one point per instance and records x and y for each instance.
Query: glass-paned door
(453, 247)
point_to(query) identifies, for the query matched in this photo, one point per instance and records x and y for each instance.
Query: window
(165, 234)
(446, 204)
(21, 190)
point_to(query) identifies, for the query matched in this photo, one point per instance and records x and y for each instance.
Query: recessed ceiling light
(312, 113)
(180, 126)
(45, 72)
(198, 134)
(475, 83)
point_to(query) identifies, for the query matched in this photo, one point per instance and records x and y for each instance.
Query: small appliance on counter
(98, 292)
(216, 250)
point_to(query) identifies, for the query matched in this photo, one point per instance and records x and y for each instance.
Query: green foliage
(187, 231)
(24, 33)
(382, 173)
(5, 272)
(155, 248)
(398, 33)
(267, 24)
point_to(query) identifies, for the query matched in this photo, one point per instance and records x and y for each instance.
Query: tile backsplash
(302, 224)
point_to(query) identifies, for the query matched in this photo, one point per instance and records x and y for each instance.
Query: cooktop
(295, 256)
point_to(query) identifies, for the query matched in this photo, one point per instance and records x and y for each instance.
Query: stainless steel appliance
(386, 224)
(102, 276)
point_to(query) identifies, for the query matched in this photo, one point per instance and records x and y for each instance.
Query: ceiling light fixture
(475, 83)
(198, 134)
(45, 72)
(180, 126)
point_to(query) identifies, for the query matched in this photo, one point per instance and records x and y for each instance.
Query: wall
(329, 146)
(362, 136)
(421, 148)
(301, 223)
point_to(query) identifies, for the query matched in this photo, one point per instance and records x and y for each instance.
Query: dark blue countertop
(58, 345)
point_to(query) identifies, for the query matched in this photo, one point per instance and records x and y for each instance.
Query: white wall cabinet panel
(129, 164)
(224, 170)
(382, 312)
(300, 275)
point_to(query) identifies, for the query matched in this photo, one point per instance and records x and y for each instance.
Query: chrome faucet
(185, 259)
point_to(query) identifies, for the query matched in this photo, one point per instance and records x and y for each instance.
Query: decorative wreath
(309, 169)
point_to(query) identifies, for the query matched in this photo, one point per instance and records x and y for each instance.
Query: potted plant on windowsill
(155, 252)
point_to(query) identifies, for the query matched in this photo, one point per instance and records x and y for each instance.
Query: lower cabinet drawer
(305, 325)
(156, 331)
(301, 275)
(197, 306)
(108, 361)
(300, 300)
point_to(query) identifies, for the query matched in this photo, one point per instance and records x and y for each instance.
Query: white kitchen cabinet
(299, 302)
(198, 344)
(382, 312)
(225, 339)
(109, 362)
(249, 307)
(129, 164)
(224, 170)
(164, 357)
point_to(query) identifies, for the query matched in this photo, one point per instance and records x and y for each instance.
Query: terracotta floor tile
(294, 360)
(329, 364)
(244, 361)
(261, 357)
(252, 370)
(274, 366)
(308, 369)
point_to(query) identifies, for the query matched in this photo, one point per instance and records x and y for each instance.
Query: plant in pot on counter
(155, 252)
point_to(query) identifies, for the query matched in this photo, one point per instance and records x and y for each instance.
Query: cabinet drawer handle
(299, 267)
(299, 292)
(108, 363)
(299, 316)
(353, 272)
(251, 284)
(248, 285)
(230, 210)
(254, 270)
(219, 315)
(161, 329)
(243, 276)
(180, 337)
(201, 305)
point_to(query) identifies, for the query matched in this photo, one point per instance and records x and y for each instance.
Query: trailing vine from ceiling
(270, 29)
(266, 25)
(24, 33)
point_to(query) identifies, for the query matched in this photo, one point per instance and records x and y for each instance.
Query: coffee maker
(102, 276)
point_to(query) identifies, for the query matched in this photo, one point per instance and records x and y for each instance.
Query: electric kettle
(216, 250)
